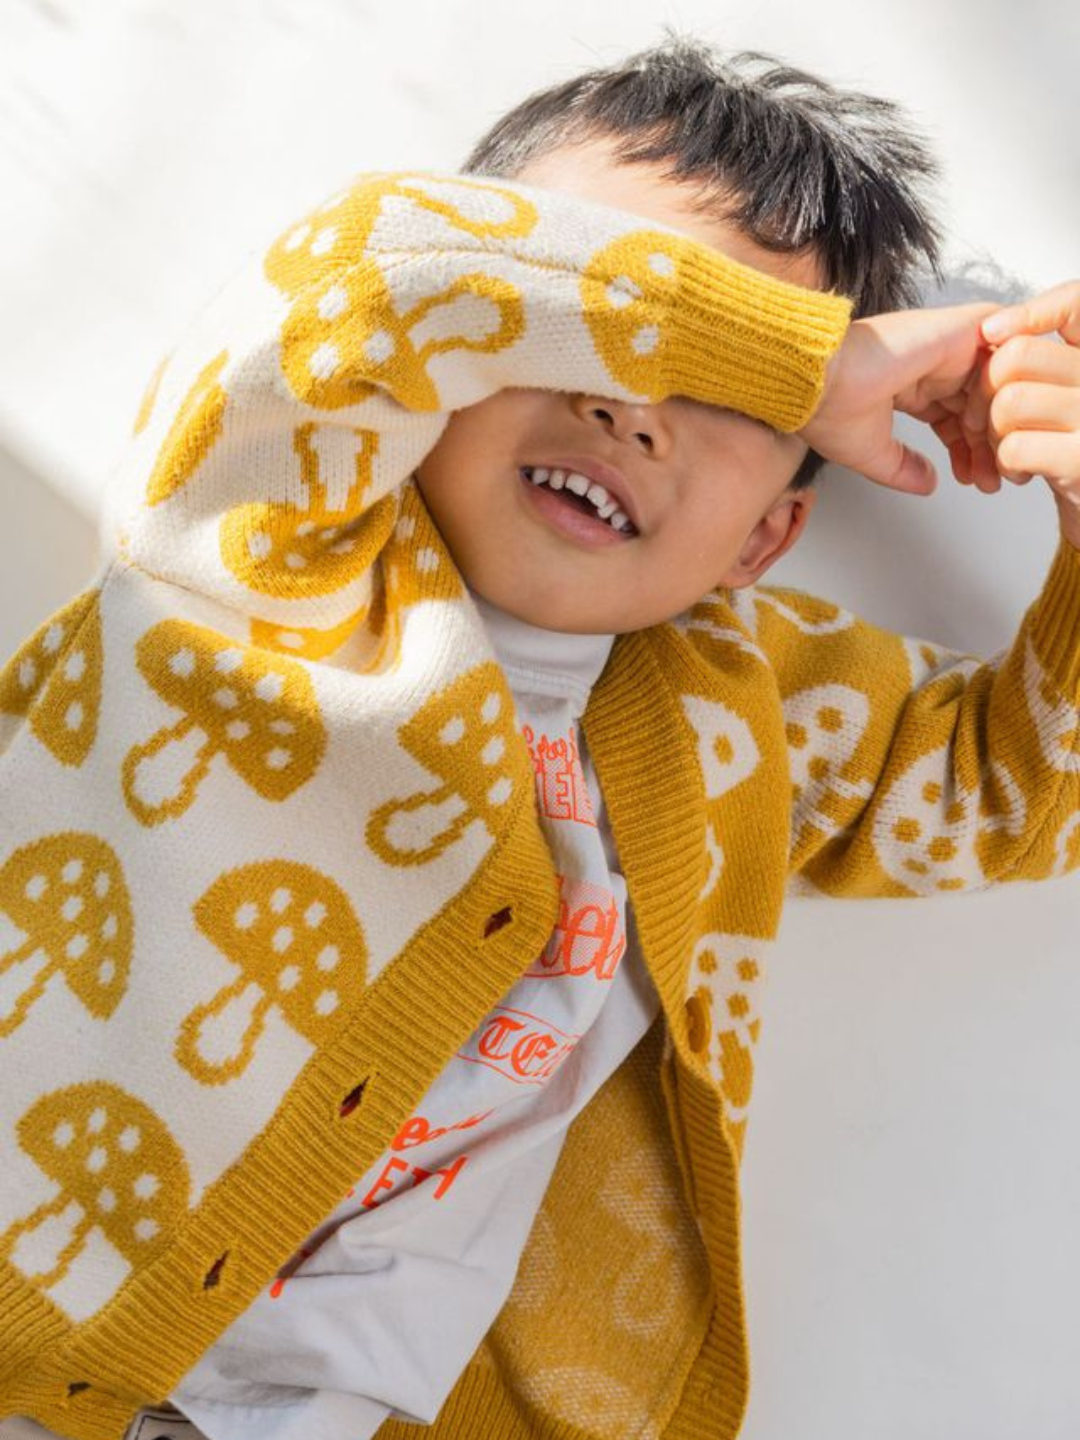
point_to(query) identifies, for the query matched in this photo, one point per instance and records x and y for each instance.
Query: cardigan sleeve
(273, 446)
(916, 771)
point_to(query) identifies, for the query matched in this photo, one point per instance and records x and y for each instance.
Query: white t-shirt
(380, 1312)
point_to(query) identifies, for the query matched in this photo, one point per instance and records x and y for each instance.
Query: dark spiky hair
(796, 163)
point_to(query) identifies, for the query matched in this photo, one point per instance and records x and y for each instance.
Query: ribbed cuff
(769, 361)
(1055, 622)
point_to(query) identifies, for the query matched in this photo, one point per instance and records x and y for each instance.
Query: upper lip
(613, 481)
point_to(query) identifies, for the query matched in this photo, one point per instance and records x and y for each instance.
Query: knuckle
(1008, 405)
(1010, 455)
(1005, 361)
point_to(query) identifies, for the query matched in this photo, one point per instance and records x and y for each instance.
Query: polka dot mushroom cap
(299, 947)
(116, 1167)
(55, 678)
(344, 337)
(67, 892)
(315, 548)
(255, 708)
(466, 735)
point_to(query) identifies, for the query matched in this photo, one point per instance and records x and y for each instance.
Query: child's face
(707, 488)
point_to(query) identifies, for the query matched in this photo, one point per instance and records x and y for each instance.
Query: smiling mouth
(584, 495)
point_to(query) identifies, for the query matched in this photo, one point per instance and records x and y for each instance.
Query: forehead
(590, 170)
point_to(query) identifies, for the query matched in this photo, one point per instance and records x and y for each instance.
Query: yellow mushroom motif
(298, 946)
(195, 429)
(257, 710)
(467, 736)
(414, 566)
(626, 315)
(344, 338)
(307, 642)
(117, 1168)
(297, 551)
(55, 679)
(67, 893)
(331, 237)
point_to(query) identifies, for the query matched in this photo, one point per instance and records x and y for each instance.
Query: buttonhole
(213, 1275)
(353, 1098)
(496, 922)
(77, 1387)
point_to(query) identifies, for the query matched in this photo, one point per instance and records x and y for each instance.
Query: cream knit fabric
(259, 878)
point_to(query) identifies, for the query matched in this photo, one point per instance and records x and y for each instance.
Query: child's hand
(924, 362)
(1026, 400)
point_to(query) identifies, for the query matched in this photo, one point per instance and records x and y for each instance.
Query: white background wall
(912, 1175)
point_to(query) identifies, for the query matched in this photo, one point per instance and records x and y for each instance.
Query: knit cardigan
(269, 850)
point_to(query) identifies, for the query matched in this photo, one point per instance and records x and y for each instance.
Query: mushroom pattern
(825, 725)
(195, 428)
(68, 894)
(929, 839)
(415, 566)
(343, 338)
(308, 642)
(298, 551)
(723, 1017)
(298, 945)
(726, 748)
(1055, 717)
(808, 613)
(338, 230)
(624, 324)
(258, 710)
(117, 1168)
(466, 735)
(55, 678)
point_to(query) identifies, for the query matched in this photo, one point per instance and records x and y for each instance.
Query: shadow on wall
(49, 552)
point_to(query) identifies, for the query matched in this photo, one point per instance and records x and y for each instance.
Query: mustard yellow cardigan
(260, 876)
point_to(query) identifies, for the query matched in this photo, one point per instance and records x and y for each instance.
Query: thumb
(898, 467)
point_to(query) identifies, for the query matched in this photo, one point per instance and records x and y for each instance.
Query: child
(384, 808)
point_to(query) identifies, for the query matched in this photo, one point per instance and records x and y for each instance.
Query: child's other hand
(923, 362)
(1026, 400)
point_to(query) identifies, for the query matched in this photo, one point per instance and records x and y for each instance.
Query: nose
(643, 426)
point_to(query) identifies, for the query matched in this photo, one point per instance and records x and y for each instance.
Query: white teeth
(606, 508)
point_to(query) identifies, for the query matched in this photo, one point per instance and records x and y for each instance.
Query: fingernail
(995, 327)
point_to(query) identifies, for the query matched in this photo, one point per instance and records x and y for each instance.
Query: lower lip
(568, 520)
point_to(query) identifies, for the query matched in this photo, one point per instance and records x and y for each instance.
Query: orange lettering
(384, 1182)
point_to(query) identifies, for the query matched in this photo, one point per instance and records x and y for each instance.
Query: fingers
(1030, 405)
(898, 467)
(1025, 453)
(1030, 383)
(1057, 309)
